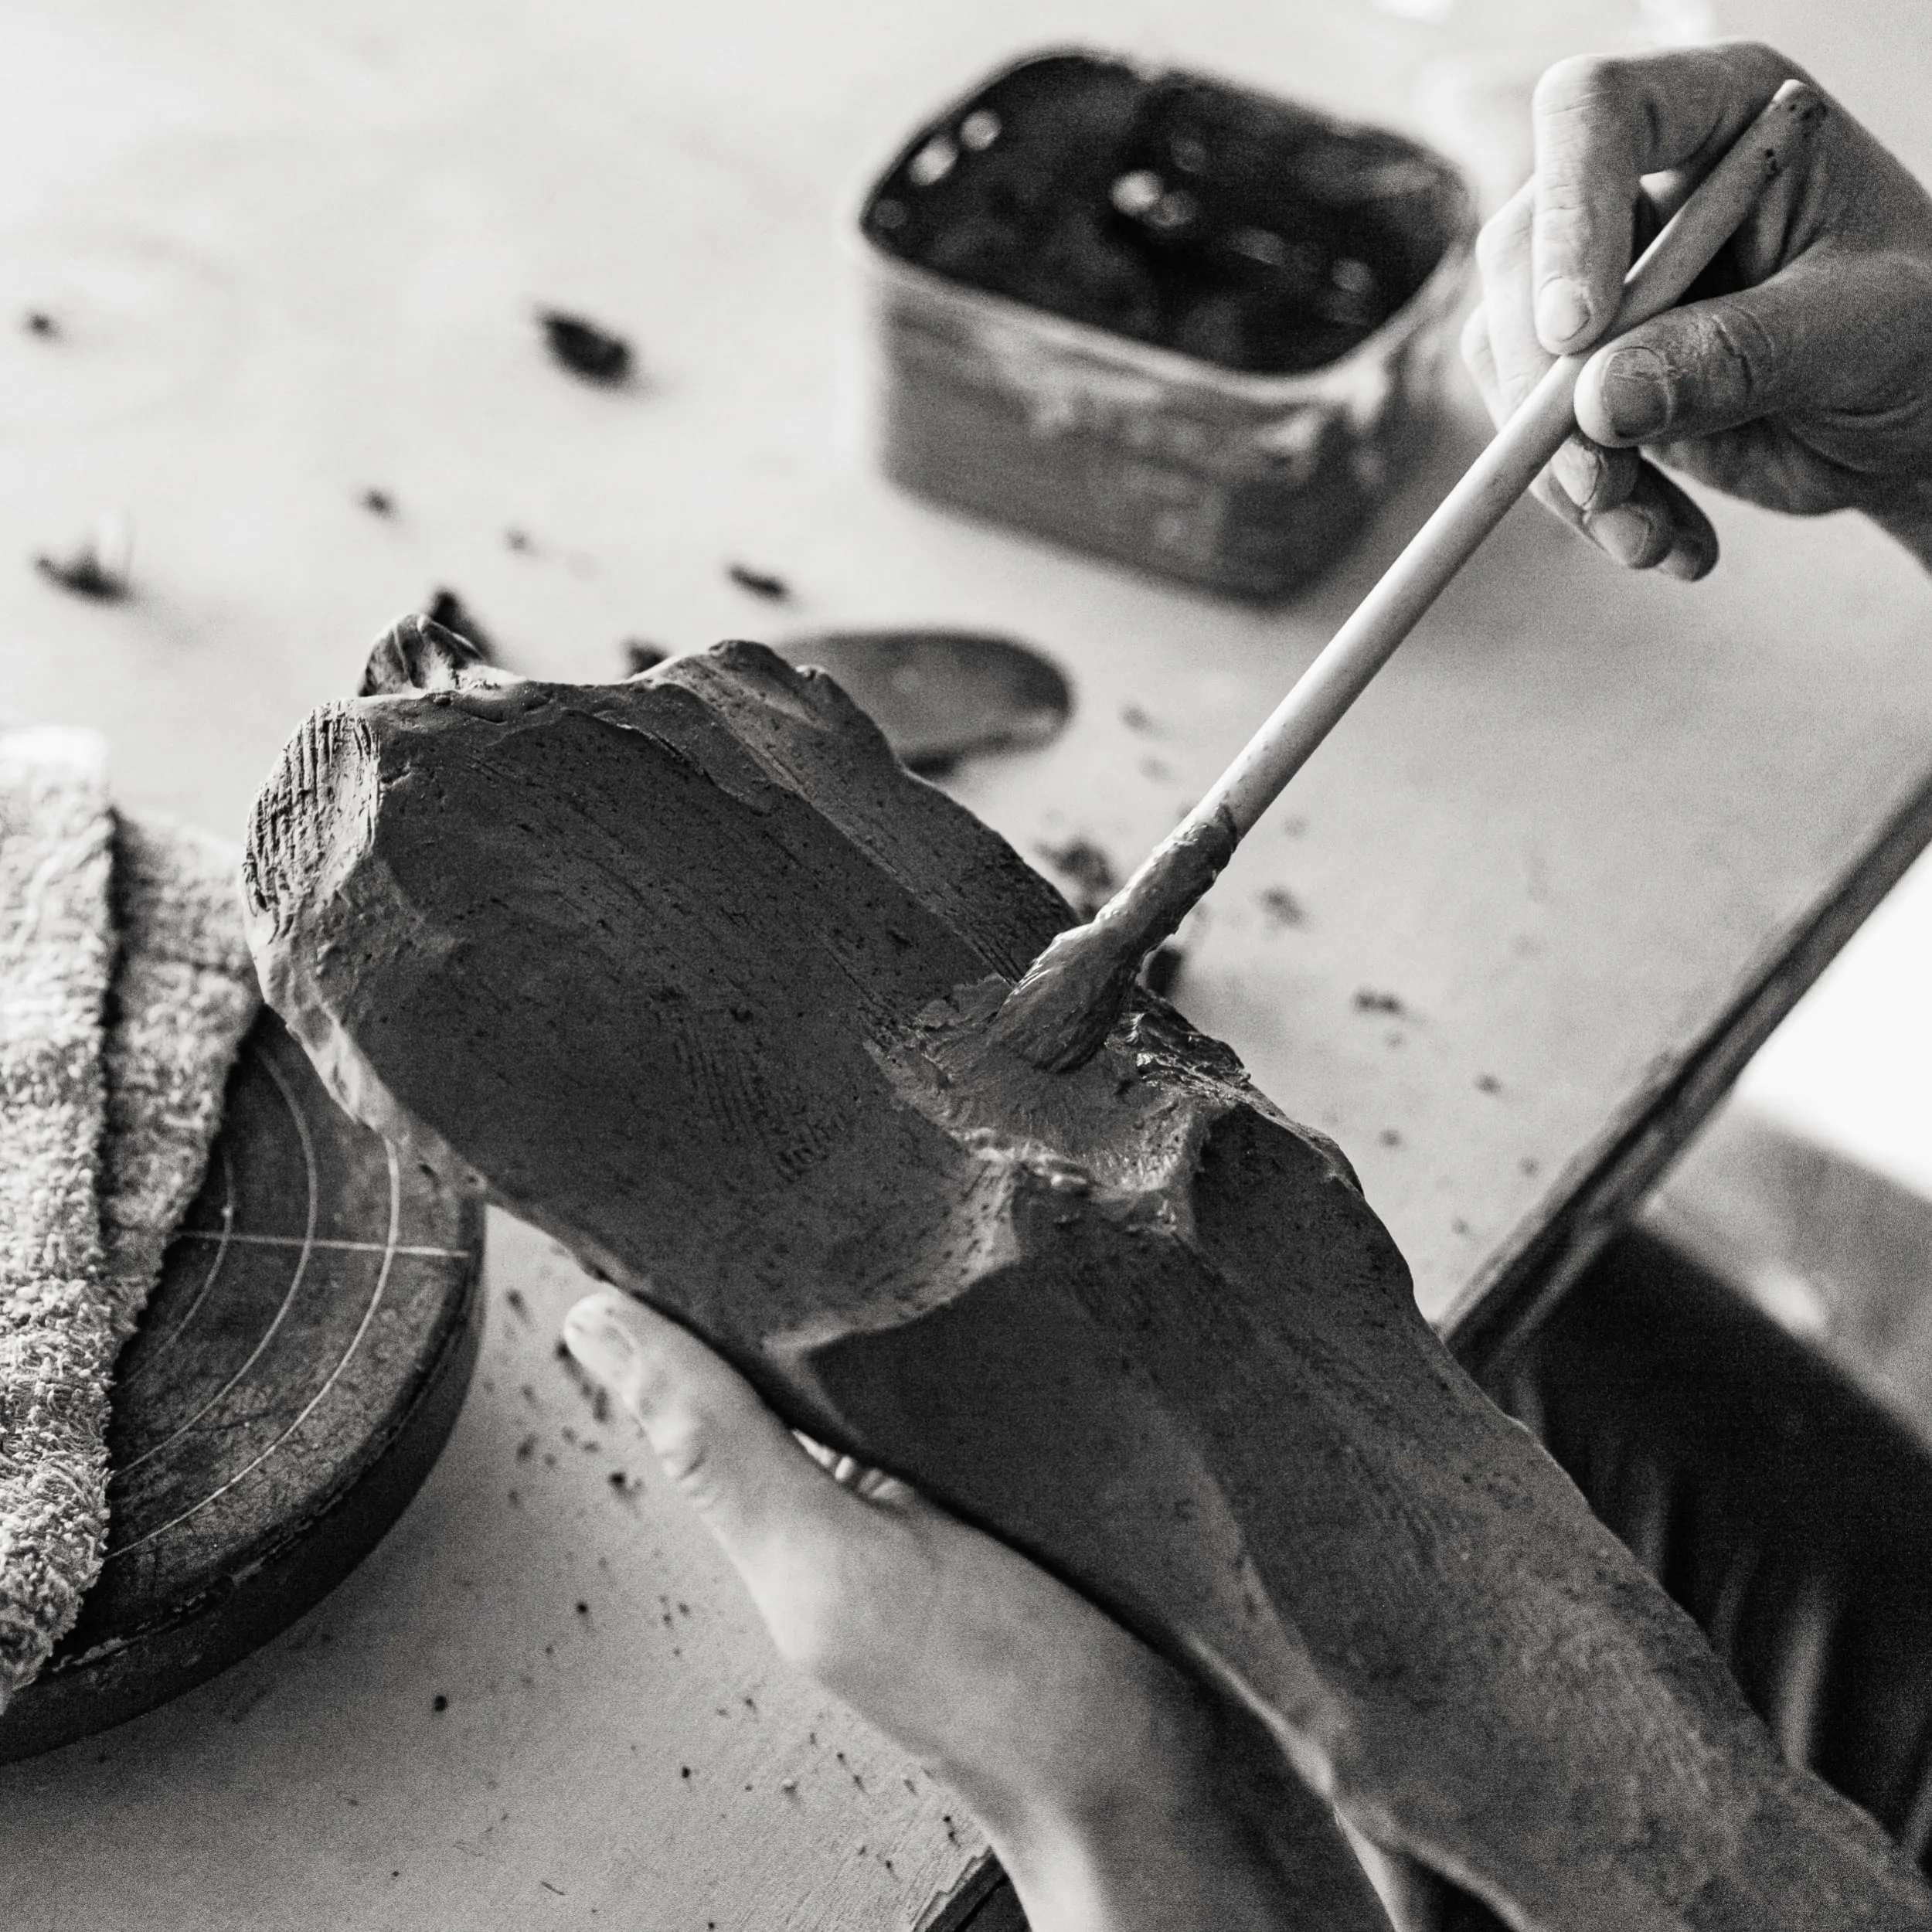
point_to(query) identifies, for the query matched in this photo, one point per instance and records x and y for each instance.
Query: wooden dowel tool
(1067, 1001)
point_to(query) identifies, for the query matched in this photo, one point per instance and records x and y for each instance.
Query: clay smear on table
(695, 976)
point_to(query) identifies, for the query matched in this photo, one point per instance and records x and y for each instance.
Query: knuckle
(1581, 91)
(1757, 62)
(1738, 357)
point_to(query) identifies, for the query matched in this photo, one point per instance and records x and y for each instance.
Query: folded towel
(184, 995)
(57, 1342)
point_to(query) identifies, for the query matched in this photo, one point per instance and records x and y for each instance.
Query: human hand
(1116, 1792)
(1798, 375)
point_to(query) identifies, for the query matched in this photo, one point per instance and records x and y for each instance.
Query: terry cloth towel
(57, 1345)
(184, 994)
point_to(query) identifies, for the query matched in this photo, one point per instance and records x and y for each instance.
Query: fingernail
(1579, 472)
(592, 1334)
(1563, 312)
(1627, 532)
(1636, 393)
(1688, 560)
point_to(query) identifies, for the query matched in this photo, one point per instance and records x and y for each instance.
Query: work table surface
(1504, 939)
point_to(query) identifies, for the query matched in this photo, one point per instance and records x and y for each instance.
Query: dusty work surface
(1544, 871)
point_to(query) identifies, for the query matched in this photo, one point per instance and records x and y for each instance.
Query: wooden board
(295, 1374)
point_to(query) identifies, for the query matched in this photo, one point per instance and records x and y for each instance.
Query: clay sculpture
(691, 973)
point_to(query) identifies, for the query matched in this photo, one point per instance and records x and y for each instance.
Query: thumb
(1712, 366)
(726, 1454)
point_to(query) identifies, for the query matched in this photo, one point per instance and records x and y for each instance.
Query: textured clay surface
(695, 976)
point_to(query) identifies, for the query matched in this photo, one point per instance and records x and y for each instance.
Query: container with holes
(1159, 316)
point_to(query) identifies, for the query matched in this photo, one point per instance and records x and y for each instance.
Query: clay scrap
(693, 975)
(942, 695)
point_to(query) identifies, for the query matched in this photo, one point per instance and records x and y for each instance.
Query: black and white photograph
(966, 967)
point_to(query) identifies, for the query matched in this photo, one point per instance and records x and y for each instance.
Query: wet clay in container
(1159, 315)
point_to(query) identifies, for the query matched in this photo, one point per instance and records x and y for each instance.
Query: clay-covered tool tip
(1059, 1015)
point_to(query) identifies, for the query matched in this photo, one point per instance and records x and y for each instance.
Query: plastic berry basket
(1159, 317)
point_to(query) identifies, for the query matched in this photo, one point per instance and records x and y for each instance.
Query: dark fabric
(1778, 1503)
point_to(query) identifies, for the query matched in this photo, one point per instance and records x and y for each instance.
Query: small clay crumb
(583, 1609)
(1155, 771)
(526, 1449)
(83, 575)
(37, 322)
(1488, 1083)
(378, 502)
(593, 1391)
(640, 657)
(449, 610)
(1135, 718)
(1367, 1001)
(518, 1306)
(439, 1703)
(580, 345)
(1282, 907)
(1530, 1165)
(100, 568)
(1389, 1138)
(516, 539)
(760, 584)
(1161, 969)
(1458, 1225)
